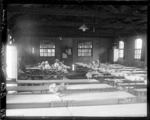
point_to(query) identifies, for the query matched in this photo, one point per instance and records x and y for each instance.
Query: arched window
(121, 49)
(138, 48)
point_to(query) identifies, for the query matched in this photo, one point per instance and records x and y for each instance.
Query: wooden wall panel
(129, 52)
(101, 47)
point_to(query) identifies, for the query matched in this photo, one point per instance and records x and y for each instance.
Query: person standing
(22, 65)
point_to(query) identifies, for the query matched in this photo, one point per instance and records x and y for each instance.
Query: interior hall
(76, 60)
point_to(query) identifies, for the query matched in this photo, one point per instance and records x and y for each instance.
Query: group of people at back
(94, 64)
(57, 65)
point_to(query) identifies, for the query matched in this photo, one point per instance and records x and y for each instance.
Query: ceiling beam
(73, 34)
(142, 21)
(38, 34)
(76, 25)
(65, 12)
(68, 31)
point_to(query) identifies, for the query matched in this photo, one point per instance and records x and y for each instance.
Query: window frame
(47, 48)
(138, 51)
(83, 41)
(121, 49)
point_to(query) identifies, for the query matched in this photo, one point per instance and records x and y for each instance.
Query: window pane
(79, 46)
(91, 46)
(79, 54)
(49, 50)
(41, 54)
(121, 53)
(49, 54)
(134, 56)
(44, 46)
(47, 44)
(41, 50)
(52, 54)
(45, 54)
(86, 54)
(83, 46)
(53, 46)
(138, 44)
(137, 54)
(83, 49)
(121, 45)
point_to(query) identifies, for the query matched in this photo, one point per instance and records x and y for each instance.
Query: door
(11, 62)
(66, 55)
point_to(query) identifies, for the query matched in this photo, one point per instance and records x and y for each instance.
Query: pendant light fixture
(83, 28)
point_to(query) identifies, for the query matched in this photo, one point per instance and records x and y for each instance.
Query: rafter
(71, 12)
(49, 30)
(73, 25)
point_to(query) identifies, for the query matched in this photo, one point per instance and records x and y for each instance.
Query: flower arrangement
(56, 89)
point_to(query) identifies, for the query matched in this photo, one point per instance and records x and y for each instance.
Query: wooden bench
(66, 100)
(125, 83)
(53, 81)
(69, 88)
(140, 92)
(41, 86)
(28, 89)
(121, 110)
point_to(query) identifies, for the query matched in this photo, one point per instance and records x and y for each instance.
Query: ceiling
(65, 19)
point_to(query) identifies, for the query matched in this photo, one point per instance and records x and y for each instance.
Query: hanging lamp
(83, 28)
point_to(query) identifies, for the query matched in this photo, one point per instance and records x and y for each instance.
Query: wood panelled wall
(128, 59)
(101, 47)
(25, 44)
